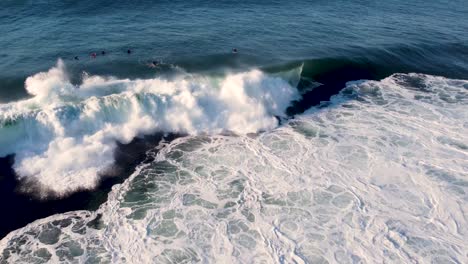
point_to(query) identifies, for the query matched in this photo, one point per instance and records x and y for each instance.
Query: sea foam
(65, 135)
(379, 175)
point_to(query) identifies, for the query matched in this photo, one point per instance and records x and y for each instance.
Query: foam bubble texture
(377, 176)
(65, 135)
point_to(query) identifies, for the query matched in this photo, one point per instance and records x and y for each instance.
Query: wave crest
(66, 134)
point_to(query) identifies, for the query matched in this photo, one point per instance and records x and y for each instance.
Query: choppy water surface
(261, 171)
(378, 175)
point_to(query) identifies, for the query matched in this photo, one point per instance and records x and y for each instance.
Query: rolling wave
(379, 175)
(65, 135)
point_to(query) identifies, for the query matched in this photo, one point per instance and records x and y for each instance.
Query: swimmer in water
(103, 53)
(153, 64)
(234, 50)
(93, 55)
(76, 58)
(129, 51)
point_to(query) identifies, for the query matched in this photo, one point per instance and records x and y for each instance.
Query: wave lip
(64, 136)
(378, 175)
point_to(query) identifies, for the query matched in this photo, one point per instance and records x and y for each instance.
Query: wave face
(378, 175)
(65, 135)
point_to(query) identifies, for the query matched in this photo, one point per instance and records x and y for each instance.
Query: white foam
(377, 176)
(64, 136)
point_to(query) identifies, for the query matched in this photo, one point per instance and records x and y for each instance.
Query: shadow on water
(12, 89)
(375, 64)
(327, 77)
(332, 82)
(332, 74)
(19, 208)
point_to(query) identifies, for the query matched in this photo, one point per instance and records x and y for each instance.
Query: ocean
(233, 131)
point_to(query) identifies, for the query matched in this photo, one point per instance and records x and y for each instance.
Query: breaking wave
(376, 175)
(65, 135)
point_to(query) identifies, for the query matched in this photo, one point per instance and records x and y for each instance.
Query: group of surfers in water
(153, 64)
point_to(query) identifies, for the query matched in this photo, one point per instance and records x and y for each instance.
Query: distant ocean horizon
(234, 132)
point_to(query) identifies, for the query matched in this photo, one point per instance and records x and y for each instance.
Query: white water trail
(377, 176)
(65, 135)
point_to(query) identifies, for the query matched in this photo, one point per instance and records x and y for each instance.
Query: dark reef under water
(335, 41)
(23, 206)
(332, 74)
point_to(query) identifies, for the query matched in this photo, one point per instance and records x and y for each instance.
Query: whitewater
(64, 137)
(376, 175)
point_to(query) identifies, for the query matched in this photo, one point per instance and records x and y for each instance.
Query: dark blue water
(337, 41)
(393, 36)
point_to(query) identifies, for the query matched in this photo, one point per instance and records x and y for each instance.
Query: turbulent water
(378, 175)
(65, 135)
(337, 134)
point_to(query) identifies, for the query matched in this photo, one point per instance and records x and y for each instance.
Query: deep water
(335, 124)
(417, 36)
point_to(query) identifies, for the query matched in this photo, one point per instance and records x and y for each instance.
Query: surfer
(76, 58)
(153, 64)
(234, 50)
